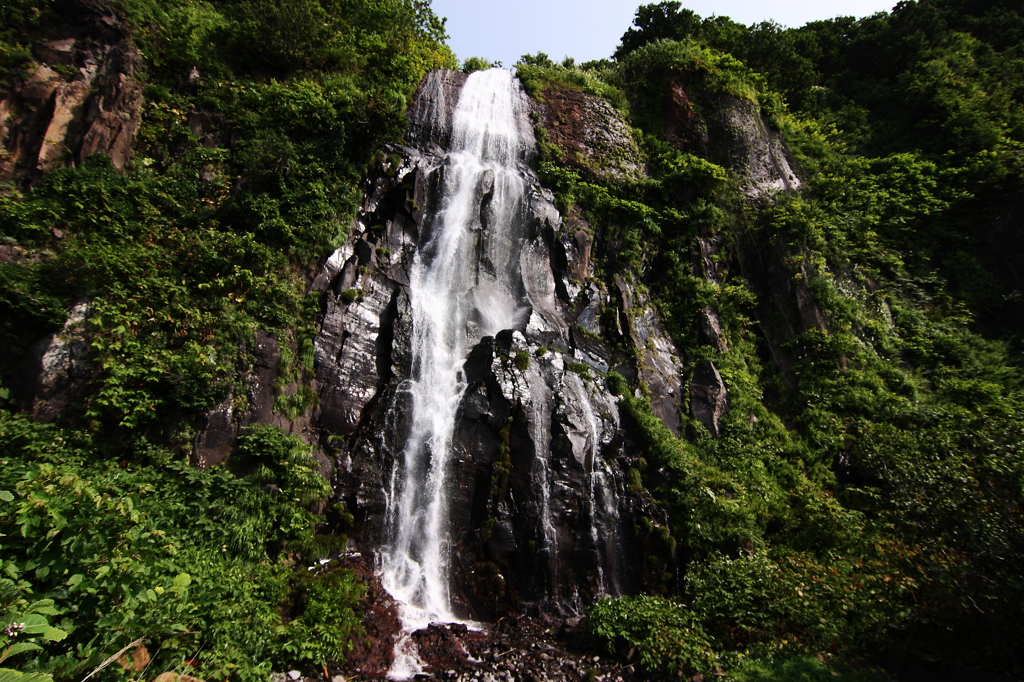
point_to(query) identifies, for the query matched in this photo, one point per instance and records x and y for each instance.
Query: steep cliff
(722, 372)
(540, 514)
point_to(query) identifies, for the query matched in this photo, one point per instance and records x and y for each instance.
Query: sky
(503, 30)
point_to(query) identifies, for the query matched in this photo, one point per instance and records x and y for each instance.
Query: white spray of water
(460, 275)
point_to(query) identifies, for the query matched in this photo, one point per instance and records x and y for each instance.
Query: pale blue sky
(590, 29)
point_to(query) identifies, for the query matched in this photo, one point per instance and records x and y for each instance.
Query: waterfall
(463, 284)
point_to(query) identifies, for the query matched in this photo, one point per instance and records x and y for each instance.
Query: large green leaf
(19, 648)
(9, 675)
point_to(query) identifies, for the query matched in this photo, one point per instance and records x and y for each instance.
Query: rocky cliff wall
(81, 95)
(540, 512)
(543, 518)
(732, 133)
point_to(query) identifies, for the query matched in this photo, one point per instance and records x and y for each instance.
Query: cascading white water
(461, 287)
(543, 476)
(593, 476)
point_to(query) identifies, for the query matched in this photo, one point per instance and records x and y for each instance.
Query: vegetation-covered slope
(862, 497)
(864, 494)
(257, 122)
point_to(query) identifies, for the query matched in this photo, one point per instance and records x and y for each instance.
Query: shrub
(667, 637)
(522, 361)
(472, 64)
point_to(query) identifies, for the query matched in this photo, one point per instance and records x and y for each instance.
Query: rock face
(659, 366)
(591, 133)
(61, 370)
(753, 149)
(708, 398)
(541, 520)
(79, 97)
(252, 402)
(730, 132)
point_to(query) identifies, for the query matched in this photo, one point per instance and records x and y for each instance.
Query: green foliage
(864, 491)
(948, 481)
(328, 622)
(758, 600)
(188, 559)
(707, 74)
(864, 488)
(538, 72)
(522, 361)
(185, 256)
(172, 297)
(26, 628)
(579, 368)
(472, 64)
(666, 635)
(773, 667)
(266, 455)
(18, 19)
(662, 21)
(259, 118)
(351, 296)
(540, 60)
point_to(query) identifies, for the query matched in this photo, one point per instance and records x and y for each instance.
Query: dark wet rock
(347, 353)
(445, 646)
(659, 366)
(706, 254)
(212, 129)
(373, 652)
(709, 330)
(501, 543)
(683, 126)
(218, 429)
(216, 435)
(13, 255)
(515, 649)
(541, 519)
(431, 112)
(364, 337)
(811, 315)
(786, 306)
(549, 507)
(547, 320)
(708, 396)
(266, 359)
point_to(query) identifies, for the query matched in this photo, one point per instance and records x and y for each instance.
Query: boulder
(61, 366)
(730, 132)
(591, 133)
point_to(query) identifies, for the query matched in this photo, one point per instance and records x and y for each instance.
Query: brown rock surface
(592, 133)
(80, 97)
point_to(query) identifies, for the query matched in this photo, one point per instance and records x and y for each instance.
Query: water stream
(463, 285)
